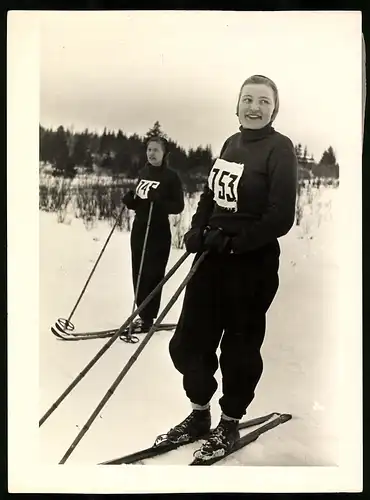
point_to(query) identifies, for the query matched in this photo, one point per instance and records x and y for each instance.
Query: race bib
(223, 180)
(144, 186)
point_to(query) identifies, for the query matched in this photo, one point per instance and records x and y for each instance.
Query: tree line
(117, 154)
(326, 168)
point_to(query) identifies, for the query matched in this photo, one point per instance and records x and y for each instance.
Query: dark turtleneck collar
(156, 167)
(249, 135)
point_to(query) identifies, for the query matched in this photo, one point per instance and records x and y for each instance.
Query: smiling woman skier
(161, 185)
(248, 202)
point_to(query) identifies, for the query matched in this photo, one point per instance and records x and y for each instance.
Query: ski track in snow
(300, 351)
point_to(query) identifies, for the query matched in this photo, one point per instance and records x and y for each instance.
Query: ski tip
(55, 332)
(284, 417)
(197, 462)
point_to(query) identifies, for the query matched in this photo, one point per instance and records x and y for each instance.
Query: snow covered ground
(301, 352)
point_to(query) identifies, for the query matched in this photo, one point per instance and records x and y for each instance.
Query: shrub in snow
(93, 197)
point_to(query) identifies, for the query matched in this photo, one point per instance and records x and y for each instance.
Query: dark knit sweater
(251, 192)
(169, 186)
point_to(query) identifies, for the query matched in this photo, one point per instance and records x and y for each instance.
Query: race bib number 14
(144, 186)
(223, 180)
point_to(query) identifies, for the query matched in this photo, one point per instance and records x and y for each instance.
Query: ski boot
(138, 326)
(195, 426)
(220, 442)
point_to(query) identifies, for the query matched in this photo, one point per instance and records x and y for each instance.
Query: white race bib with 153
(144, 186)
(223, 180)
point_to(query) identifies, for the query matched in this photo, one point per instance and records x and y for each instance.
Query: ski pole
(129, 337)
(112, 339)
(132, 360)
(65, 324)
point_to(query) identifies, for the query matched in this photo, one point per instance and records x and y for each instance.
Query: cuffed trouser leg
(194, 344)
(253, 286)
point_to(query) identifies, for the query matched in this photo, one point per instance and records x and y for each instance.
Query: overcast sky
(126, 70)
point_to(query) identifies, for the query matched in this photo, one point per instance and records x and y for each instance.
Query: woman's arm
(280, 214)
(174, 204)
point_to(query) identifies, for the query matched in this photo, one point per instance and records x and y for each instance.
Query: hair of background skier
(164, 144)
(261, 79)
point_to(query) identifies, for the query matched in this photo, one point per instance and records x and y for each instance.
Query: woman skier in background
(161, 186)
(248, 202)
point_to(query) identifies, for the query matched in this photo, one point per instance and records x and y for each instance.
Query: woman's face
(155, 153)
(256, 105)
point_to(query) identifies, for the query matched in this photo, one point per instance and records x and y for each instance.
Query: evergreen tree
(177, 157)
(94, 141)
(155, 131)
(304, 159)
(104, 143)
(137, 155)
(42, 133)
(328, 157)
(89, 161)
(80, 149)
(65, 149)
(298, 150)
(122, 160)
(46, 145)
(62, 160)
(327, 166)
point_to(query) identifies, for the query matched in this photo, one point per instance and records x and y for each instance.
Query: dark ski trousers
(156, 256)
(226, 301)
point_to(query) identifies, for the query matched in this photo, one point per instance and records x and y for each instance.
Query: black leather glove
(216, 240)
(153, 194)
(193, 240)
(238, 244)
(129, 199)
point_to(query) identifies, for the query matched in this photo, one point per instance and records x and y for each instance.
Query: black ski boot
(139, 326)
(195, 426)
(220, 441)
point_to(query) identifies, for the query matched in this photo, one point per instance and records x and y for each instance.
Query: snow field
(301, 352)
